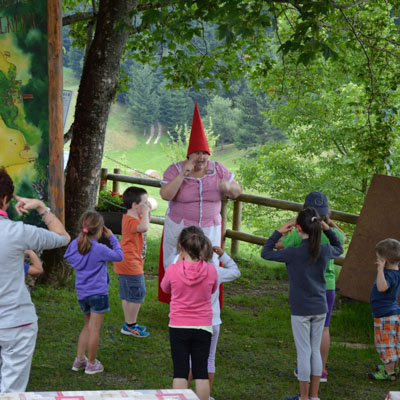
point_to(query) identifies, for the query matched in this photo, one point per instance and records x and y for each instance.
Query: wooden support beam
(116, 186)
(236, 225)
(56, 123)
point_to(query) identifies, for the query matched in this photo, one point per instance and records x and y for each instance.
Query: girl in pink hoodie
(191, 281)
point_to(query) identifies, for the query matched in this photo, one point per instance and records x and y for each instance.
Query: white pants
(171, 233)
(16, 350)
(307, 333)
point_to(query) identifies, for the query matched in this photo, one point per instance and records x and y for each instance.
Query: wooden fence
(234, 234)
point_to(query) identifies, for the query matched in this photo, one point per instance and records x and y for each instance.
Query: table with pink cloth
(157, 394)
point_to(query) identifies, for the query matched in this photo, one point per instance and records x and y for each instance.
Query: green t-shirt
(294, 239)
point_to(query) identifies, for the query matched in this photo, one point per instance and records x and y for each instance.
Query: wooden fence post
(116, 185)
(103, 179)
(224, 216)
(103, 182)
(236, 225)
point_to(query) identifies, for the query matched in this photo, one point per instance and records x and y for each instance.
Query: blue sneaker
(135, 331)
(141, 327)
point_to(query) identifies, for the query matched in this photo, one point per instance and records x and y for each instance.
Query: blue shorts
(98, 304)
(132, 288)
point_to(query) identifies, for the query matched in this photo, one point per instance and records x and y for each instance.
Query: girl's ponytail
(91, 222)
(310, 223)
(195, 243)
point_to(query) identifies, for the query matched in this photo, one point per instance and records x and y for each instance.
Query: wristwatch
(45, 212)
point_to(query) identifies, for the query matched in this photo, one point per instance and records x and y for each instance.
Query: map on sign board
(24, 115)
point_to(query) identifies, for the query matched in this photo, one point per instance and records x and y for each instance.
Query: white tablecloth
(160, 394)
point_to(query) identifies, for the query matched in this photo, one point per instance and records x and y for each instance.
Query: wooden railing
(234, 234)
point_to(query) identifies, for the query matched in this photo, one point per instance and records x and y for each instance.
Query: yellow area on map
(19, 58)
(16, 155)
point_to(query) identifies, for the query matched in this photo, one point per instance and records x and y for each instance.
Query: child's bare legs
(307, 389)
(131, 311)
(325, 344)
(89, 336)
(179, 383)
(83, 338)
(95, 322)
(314, 385)
(211, 379)
(202, 388)
(304, 390)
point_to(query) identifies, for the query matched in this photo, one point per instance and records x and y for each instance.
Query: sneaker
(94, 368)
(293, 398)
(79, 364)
(141, 327)
(381, 367)
(211, 398)
(324, 376)
(295, 372)
(133, 331)
(382, 376)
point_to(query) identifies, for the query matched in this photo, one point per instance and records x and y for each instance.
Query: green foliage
(176, 148)
(224, 118)
(340, 114)
(109, 201)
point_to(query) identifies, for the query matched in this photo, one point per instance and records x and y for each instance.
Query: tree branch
(68, 135)
(349, 5)
(371, 73)
(90, 15)
(72, 19)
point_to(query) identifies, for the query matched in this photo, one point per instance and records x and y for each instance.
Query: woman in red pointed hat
(194, 188)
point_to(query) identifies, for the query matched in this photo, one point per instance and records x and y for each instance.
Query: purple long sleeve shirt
(91, 268)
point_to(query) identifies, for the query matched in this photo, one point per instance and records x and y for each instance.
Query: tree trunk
(96, 92)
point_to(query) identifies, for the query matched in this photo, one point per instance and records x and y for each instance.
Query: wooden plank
(379, 219)
(56, 138)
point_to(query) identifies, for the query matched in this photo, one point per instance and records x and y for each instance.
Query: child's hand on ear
(107, 232)
(286, 228)
(380, 262)
(144, 208)
(324, 226)
(218, 251)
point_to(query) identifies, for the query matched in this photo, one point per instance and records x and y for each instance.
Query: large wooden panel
(379, 219)
(31, 100)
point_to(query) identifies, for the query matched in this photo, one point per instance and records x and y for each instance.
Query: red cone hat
(198, 140)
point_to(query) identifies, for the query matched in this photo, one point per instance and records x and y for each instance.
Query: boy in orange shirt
(132, 289)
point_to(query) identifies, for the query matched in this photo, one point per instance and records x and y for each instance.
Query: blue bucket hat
(319, 201)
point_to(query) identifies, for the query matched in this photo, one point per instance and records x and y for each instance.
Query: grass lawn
(255, 356)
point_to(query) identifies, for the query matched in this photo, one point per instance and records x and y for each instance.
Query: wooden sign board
(379, 219)
(31, 118)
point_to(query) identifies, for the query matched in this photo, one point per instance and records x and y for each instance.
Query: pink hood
(191, 285)
(192, 273)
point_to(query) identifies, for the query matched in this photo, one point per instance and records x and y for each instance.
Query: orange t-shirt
(132, 245)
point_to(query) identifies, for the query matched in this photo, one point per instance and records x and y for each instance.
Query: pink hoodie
(191, 285)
